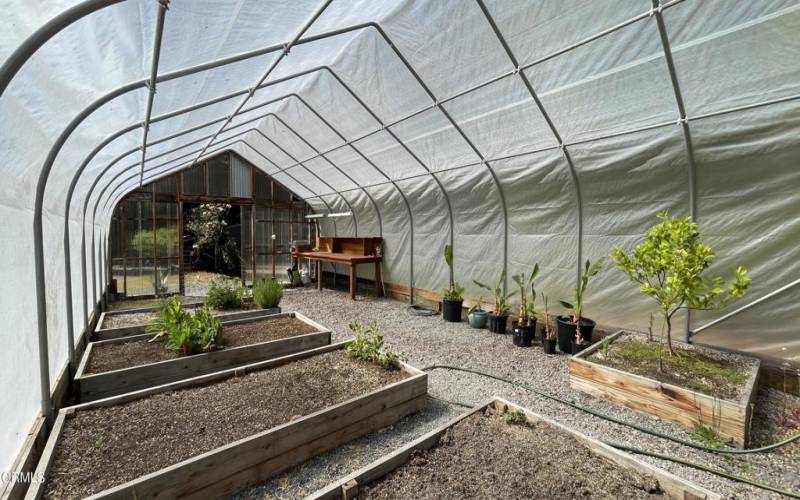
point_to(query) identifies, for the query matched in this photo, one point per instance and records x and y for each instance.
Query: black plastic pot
(497, 324)
(576, 348)
(566, 332)
(549, 346)
(523, 335)
(451, 310)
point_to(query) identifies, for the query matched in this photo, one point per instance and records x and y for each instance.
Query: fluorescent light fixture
(315, 216)
(340, 214)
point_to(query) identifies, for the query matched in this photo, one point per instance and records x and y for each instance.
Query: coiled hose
(645, 430)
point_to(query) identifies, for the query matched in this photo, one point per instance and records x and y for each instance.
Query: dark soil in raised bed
(143, 318)
(714, 373)
(107, 357)
(484, 457)
(106, 447)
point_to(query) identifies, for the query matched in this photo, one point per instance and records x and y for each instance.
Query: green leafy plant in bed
(709, 437)
(225, 293)
(669, 266)
(267, 293)
(187, 332)
(368, 346)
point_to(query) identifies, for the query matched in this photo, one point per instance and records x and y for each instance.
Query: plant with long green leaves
(455, 291)
(669, 265)
(589, 271)
(476, 307)
(527, 307)
(187, 332)
(267, 293)
(501, 305)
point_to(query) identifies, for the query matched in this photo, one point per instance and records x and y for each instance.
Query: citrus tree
(669, 265)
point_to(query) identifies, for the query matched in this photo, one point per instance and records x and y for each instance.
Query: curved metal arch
(45, 32)
(572, 170)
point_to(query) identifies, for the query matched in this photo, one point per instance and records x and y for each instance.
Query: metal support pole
(151, 84)
(684, 123)
(573, 172)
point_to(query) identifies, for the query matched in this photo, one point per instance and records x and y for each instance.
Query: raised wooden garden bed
(104, 332)
(92, 384)
(478, 455)
(212, 435)
(729, 418)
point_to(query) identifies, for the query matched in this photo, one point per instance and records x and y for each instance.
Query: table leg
(378, 280)
(319, 276)
(353, 281)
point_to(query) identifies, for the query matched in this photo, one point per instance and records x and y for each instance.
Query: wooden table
(347, 259)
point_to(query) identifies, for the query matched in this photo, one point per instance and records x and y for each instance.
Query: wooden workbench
(350, 252)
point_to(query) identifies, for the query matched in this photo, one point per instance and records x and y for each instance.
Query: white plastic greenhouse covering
(526, 130)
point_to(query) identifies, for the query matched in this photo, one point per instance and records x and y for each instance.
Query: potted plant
(548, 333)
(524, 329)
(499, 317)
(668, 265)
(453, 295)
(477, 316)
(574, 327)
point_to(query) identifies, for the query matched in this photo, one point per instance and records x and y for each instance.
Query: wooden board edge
(94, 379)
(99, 325)
(302, 317)
(208, 378)
(678, 486)
(380, 398)
(36, 490)
(596, 346)
(25, 461)
(387, 463)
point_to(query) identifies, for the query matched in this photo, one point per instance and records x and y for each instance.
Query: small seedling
(709, 437)
(515, 417)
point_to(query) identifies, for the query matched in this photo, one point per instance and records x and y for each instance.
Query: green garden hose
(728, 451)
(710, 470)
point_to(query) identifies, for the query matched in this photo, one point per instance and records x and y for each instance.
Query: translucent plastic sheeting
(598, 68)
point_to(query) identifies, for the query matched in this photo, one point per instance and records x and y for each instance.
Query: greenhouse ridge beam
(684, 123)
(285, 52)
(573, 173)
(151, 84)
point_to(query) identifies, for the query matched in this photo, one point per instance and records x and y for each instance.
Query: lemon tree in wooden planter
(708, 390)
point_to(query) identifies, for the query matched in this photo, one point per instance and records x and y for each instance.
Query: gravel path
(429, 340)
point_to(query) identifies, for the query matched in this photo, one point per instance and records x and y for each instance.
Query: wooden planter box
(249, 461)
(347, 487)
(90, 387)
(101, 333)
(730, 419)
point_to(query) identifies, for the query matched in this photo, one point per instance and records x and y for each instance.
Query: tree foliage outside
(207, 224)
(669, 266)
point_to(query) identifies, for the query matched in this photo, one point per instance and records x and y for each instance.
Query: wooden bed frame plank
(348, 486)
(669, 402)
(94, 386)
(256, 458)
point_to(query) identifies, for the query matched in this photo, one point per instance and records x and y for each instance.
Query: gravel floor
(428, 340)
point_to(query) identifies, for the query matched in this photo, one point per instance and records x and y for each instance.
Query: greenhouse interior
(489, 221)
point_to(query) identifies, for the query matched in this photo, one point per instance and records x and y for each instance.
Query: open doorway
(212, 244)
